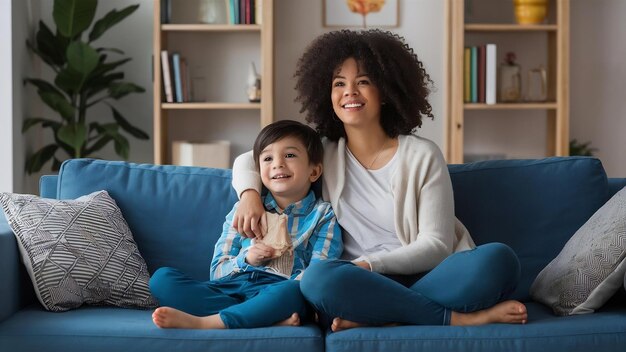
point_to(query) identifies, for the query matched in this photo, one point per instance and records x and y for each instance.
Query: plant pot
(531, 11)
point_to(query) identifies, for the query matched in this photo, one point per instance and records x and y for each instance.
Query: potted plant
(84, 76)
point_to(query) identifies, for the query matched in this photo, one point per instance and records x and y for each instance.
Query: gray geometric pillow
(78, 251)
(591, 266)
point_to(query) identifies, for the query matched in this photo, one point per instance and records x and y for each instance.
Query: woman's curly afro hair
(390, 64)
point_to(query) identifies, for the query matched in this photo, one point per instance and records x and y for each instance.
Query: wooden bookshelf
(557, 106)
(165, 36)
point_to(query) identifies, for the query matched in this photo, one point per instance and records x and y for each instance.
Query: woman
(409, 261)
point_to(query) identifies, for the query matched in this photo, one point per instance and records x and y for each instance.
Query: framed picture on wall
(360, 13)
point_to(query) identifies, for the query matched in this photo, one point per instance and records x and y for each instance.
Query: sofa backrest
(175, 213)
(534, 206)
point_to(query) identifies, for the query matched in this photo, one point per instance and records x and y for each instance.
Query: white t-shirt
(368, 214)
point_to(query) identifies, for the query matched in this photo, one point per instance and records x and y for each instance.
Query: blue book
(177, 78)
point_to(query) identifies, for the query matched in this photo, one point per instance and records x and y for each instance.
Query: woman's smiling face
(355, 98)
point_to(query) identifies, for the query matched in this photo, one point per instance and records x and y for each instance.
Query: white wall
(6, 99)
(598, 78)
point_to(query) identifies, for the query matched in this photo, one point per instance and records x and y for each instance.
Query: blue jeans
(243, 300)
(464, 282)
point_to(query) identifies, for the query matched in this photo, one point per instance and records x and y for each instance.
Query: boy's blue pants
(464, 282)
(243, 300)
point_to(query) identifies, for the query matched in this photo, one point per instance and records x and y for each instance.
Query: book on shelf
(244, 11)
(490, 75)
(184, 77)
(166, 11)
(473, 74)
(258, 11)
(481, 73)
(178, 84)
(167, 76)
(467, 58)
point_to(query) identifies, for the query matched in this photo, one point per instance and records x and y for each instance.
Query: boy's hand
(250, 220)
(259, 254)
(363, 264)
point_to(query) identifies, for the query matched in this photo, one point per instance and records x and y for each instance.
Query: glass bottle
(510, 80)
(212, 11)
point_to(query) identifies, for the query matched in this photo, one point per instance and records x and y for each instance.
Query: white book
(490, 77)
(167, 77)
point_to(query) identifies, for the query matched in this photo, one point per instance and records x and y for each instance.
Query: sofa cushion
(105, 329)
(78, 251)
(591, 267)
(175, 213)
(534, 206)
(603, 331)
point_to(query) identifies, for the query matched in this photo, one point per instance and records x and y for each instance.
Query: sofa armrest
(615, 185)
(10, 290)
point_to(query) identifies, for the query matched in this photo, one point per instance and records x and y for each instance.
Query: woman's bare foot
(166, 317)
(293, 320)
(343, 324)
(511, 312)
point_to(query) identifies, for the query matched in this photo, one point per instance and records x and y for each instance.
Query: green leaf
(72, 17)
(126, 126)
(122, 147)
(43, 86)
(102, 83)
(82, 57)
(109, 20)
(122, 89)
(32, 121)
(73, 135)
(99, 144)
(112, 50)
(59, 104)
(70, 80)
(35, 162)
(47, 47)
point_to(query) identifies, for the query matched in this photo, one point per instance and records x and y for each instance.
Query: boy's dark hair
(389, 62)
(289, 128)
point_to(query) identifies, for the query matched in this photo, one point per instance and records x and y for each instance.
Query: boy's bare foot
(166, 317)
(293, 320)
(511, 312)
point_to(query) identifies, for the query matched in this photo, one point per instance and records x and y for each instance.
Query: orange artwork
(360, 13)
(364, 7)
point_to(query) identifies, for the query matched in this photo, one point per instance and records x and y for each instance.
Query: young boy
(248, 287)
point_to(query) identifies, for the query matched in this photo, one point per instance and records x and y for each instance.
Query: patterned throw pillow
(591, 266)
(78, 251)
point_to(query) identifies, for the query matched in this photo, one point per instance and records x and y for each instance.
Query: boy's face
(286, 170)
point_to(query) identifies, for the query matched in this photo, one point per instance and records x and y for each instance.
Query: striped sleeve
(326, 239)
(228, 254)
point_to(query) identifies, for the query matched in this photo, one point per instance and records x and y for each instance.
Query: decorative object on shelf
(254, 85)
(212, 11)
(207, 154)
(582, 149)
(510, 80)
(537, 85)
(531, 11)
(83, 77)
(360, 13)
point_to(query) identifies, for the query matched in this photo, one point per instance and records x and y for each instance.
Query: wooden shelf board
(511, 106)
(210, 28)
(210, 106)
(488, 27)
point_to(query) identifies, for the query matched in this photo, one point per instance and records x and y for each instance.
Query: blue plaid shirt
(313, 228)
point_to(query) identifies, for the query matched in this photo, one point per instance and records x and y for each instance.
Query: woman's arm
(249, 219)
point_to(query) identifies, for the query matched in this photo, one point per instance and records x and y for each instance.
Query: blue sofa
(176, 214)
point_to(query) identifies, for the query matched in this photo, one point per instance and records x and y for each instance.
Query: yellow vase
(531, 11)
